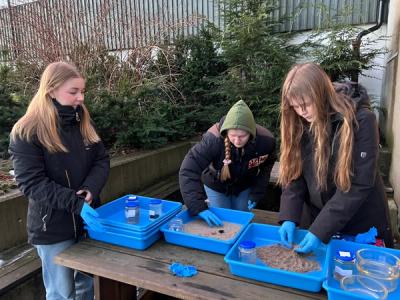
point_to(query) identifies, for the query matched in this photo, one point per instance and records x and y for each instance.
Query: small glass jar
(344, 264)
(176, 225)
(132, 212)
(247, 252)
(155, 209)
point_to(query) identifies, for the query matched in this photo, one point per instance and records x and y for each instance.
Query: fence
(126, 24)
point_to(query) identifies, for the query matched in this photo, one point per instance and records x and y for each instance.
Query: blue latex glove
(210, 218)
(286, 231)
(368, 237)
(308, 244)
(89, 215)
(251, 204)
(181, 270)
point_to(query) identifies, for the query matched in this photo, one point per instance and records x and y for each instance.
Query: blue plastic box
(121, 238)
(205, 243)
(113, 213)
(332, 286)
(263, 235)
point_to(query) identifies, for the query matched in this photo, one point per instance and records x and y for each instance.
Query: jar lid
(155, 201)
(247, 244)
(132, 203)
(345, 255)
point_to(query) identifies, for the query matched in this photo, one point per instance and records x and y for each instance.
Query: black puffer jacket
(250, 167)
(331, 211)
(50, 181)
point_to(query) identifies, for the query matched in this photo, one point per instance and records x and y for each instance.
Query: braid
(225, 174)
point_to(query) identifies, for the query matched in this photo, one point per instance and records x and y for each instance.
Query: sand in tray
(276, 256)
(225, 232)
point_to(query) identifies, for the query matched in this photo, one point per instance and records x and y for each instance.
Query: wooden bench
(21, 264)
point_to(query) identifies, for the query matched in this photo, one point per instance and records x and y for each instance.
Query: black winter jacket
(250, 167)
(50, 180)
(332, 211)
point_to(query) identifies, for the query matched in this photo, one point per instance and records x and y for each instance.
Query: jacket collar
(67, 114)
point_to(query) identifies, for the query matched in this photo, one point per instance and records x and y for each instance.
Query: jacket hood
(239, 117)
(355, 91)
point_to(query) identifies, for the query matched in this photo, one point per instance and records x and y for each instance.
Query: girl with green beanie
(229, 167)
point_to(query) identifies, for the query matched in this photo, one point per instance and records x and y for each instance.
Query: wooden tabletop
(149, 269)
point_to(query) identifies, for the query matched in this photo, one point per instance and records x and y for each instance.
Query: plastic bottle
(155, 209)
(132, 212)
(247, 252)
(176, 225)
(344, 264)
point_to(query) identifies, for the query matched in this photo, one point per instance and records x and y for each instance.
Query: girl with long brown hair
(61, 166)
(230, 166)
(328, 161)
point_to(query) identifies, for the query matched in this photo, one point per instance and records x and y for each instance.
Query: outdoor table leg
(105, 289)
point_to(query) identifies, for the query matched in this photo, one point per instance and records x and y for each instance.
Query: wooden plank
(265, 217)
(155, 275)
(18, 274)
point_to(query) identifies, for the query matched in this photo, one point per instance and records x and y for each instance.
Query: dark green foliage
(331, 47)
(257, 56)
(11, 109)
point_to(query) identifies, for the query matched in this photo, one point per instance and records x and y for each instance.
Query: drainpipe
(381, 5)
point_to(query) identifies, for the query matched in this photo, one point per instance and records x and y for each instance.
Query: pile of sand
(225, 232)
(276, 256)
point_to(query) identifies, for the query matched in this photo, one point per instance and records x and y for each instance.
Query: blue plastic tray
(117, 237)
(113, 213)
(204, 243)
(332, 286)
(263, 235)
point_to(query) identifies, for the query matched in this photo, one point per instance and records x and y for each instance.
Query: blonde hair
(225, 173)
(310, 81)
(41, 117)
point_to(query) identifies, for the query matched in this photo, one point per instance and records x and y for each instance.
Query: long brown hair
(310, 81)
(41, 117)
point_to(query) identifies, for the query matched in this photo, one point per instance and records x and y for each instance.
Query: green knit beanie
(239, 117)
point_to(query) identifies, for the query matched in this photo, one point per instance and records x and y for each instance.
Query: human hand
(286, 231)
(251, 204)
(310, 243)
(89, 215)
(87, 194)
(210, 218)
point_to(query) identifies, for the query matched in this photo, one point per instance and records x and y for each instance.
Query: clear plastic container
(132, 212)
(343, 264)
(176, 225)
(247, 252)
(364, 286)
(379, 265)
(155, 209)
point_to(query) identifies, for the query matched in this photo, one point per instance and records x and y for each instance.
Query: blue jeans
(218, 199)
(63, 283)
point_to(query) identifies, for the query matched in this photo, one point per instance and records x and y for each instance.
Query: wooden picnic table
(118, 271)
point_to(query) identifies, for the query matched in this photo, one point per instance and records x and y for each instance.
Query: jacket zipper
(73, 216)
(44, 227)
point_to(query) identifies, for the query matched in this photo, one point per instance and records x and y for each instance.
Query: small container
(155, 209)
(344, 264)
(379, 265)
(247, 252)
(364, 286)
(176, 225)
(132, 212)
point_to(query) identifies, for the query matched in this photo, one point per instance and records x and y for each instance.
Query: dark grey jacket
(332, 211)
(250, 168)
(50, 181)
